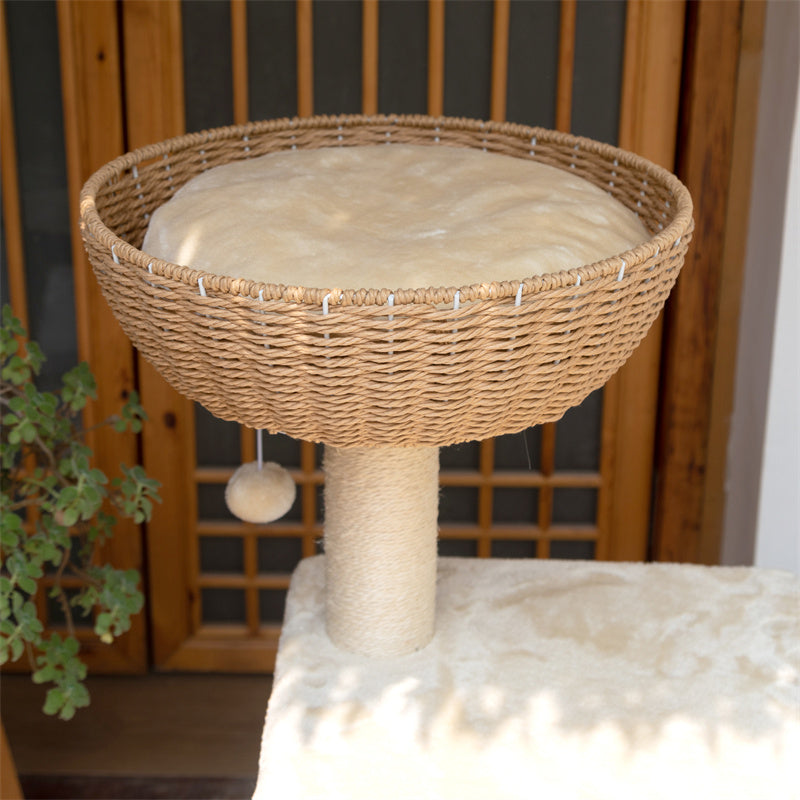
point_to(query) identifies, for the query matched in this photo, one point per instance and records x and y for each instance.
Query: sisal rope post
(381, 513)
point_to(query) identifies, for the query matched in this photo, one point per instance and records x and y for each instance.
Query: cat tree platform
(384, 376)
(548, 679)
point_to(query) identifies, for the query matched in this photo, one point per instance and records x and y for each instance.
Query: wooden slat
(308, 496)
(231, 580)
(305, 58)
(650, 101)
(223, 474)
(250, 553)
(566, 64)
(154, 105)
(548, 463)
(220, 634)
(9, 182)
(730, 292)
(435, 57)
(237, 529)
(485, 498)
(693, 311)
(239, 54)
(369, 57)
(522, 480)
(246, 435)
(247, 447)
(153, 70)
(451, 477)
(451, 530)
(90, 72)
(500, 60)
(208, 651)
(607, 512)
(566, 59)
(229, 527)
(651, 79)
(93, 115)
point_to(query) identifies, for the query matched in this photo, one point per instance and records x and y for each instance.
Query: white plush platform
(549, 679)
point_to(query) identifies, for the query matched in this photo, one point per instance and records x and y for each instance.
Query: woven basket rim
(316, 296)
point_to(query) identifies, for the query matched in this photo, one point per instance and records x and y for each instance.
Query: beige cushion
(548, 679)
(389, 217)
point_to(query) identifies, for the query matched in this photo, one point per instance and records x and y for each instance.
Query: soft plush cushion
(393, 217)
(548, 679)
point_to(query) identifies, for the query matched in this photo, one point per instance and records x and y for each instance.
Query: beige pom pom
(260, 495)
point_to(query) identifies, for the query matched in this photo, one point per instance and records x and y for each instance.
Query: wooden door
(139, 71)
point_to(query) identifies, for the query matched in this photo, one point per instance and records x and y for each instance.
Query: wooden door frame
(715, 158)
(649, 110)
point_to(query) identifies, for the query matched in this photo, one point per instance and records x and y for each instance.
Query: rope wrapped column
(381, 511)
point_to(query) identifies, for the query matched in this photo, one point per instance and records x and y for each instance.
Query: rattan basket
(423, 371)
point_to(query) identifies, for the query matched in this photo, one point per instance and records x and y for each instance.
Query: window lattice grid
(500, 498)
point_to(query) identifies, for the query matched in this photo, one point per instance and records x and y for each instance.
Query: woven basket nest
(435, 367)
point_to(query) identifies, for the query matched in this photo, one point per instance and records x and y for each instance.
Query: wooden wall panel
(155, 110)
(649, 112)
(93, 124)
(651, 83)
(566, 64)
(730, 292)
(9, 181)
(239, 52)
(153, 71)
(435, 57)
(305, 59)
(693, 312)
(502, 17)
(369, 57)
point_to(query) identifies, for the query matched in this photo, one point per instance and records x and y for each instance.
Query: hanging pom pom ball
(260, 495)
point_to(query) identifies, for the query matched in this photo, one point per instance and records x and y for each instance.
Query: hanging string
(527, 449)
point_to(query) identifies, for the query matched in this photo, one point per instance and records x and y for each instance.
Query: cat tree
(383, 377)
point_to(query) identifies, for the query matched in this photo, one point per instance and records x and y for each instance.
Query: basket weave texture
(430, 366)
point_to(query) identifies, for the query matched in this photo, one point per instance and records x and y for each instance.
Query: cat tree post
(381, 507)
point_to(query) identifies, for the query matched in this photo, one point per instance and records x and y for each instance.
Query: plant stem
(62, 597)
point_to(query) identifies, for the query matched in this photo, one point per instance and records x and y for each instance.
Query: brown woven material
(416, 373)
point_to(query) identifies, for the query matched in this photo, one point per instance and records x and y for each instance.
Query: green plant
(55, 511)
